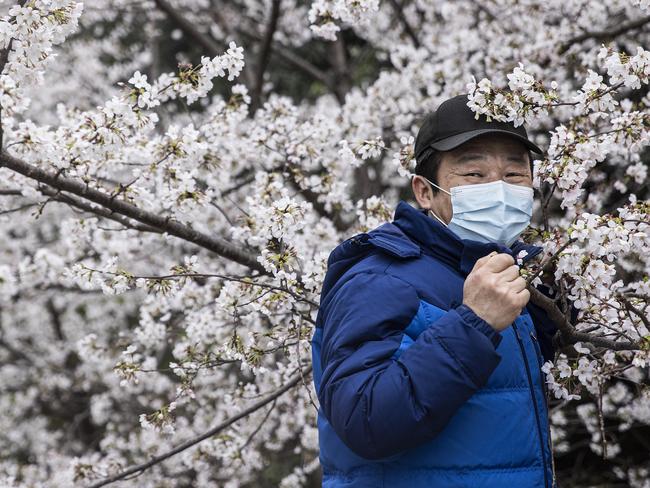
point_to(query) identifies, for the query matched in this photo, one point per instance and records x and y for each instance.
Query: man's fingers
(499, 262)
(511, 273)
(524, 296)
(518, 285)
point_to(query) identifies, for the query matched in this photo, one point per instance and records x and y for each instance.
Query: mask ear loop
(439, 219)
(439, 188)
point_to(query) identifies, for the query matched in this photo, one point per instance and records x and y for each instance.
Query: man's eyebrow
(468, 155)
(477, 155)
(519, 158)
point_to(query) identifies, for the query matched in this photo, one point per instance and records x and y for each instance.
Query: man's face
(486, 158)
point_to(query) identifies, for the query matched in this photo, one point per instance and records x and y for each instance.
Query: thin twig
(635, 311)
(139, 468)
(601, 420)
(246, 281)
(18, 209)
(550, 260)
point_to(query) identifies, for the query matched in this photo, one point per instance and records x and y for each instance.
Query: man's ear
(421, 191)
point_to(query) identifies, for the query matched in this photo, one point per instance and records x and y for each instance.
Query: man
(427, 352)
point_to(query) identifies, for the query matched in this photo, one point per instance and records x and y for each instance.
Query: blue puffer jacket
(415, 389)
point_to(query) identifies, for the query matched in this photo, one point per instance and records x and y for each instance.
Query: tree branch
(265, 56)
(568, 331)
(302, 64)
(56, 319)
(399, 11)
(319, 207)
(206, 42)
(17, 354)
(81, 205)
(215, 12)
(206, 435)
(99, 211)
(165, 224)
(546, 265)
(341, 69)
(4, 58)
(604, 34)
(4, 54)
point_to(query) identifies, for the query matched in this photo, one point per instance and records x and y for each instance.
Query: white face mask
(489, 212)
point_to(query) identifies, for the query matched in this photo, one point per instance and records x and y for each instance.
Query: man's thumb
(480, 262)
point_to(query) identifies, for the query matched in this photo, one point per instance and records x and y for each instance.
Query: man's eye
(473, 174)
(515, 174)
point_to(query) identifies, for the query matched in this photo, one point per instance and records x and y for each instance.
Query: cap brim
(454, 141)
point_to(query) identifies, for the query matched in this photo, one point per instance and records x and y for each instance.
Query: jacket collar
(438, 240)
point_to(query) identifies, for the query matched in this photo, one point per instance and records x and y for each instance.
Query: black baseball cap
(454, 123)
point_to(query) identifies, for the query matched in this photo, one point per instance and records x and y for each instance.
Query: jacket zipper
(532, 395)
(548, 423)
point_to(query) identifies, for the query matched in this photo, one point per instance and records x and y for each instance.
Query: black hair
(428, 166)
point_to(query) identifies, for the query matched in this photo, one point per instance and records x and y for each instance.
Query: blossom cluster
(29, 32)
(526, 100)
(631, 71)
(562, 373)
(323, 15)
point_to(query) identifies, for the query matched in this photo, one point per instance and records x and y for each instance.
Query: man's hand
(495, 291)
